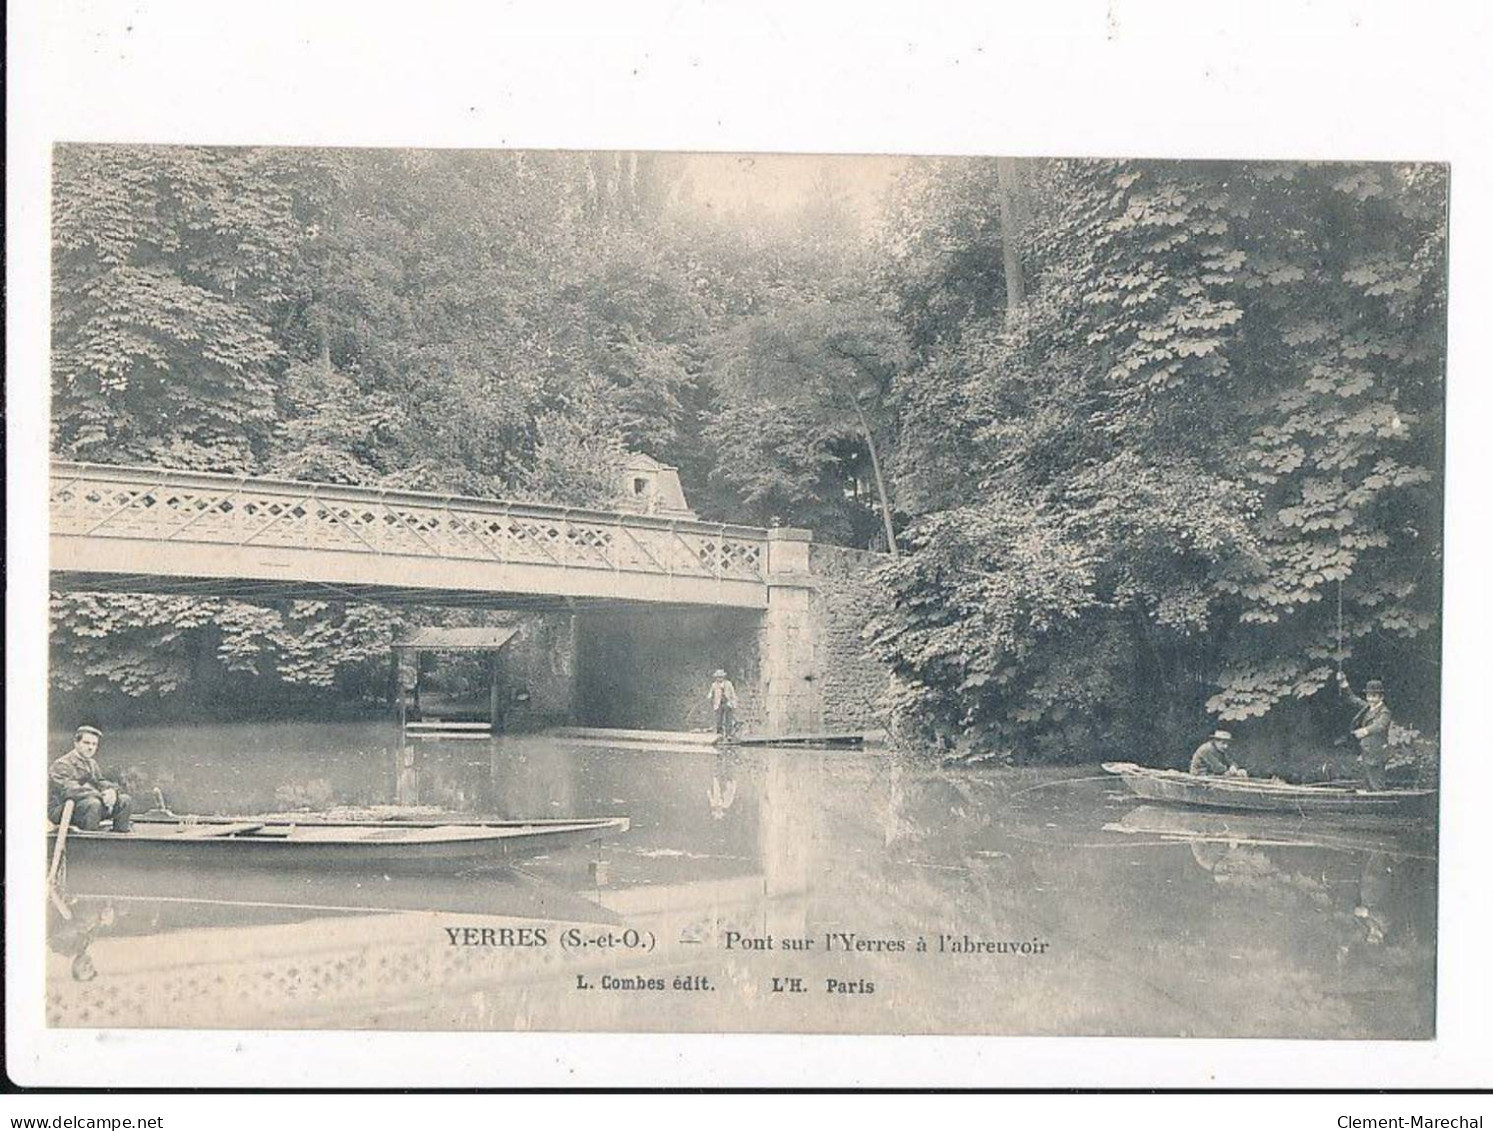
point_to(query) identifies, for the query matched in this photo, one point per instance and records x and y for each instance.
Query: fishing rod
(1341, 740)
(1340, 628)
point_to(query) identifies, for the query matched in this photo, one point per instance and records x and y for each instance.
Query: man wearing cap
(1371, 728)
(1212, 757)
(76, 777)
(723, 703)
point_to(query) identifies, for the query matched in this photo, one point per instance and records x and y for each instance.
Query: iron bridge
(143, 529)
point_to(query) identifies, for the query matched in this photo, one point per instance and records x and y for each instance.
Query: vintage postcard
(650, 591)
(798, 546)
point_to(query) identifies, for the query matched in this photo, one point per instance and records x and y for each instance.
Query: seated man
(76, 777)
(1212, 757)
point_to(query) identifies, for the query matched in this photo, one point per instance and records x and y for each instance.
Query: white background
(1315, 78)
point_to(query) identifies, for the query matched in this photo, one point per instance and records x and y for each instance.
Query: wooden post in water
(406, 773)
(399, 691)
(494, 710)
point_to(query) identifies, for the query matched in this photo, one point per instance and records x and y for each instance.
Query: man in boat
(1371, 728)
(1212, 757)
(723, 703)
(76, 777)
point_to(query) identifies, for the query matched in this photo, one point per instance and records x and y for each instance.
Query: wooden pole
(57, 850)
(492, 694)
(57, 853)
(1339, 625)
(399, 690)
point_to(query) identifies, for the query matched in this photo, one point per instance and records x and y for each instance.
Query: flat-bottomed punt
(1213, 792)
(348, 845)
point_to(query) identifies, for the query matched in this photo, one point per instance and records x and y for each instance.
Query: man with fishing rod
(1371, 728)
(723, 705)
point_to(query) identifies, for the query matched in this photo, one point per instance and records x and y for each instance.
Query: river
(901, 897)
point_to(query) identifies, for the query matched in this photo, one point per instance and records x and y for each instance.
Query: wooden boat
(1213, 792)
(246, 842)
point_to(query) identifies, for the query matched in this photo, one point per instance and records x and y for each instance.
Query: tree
(171, 269)
(147, 647)
(952, 254)
(1007, 179)
(579, 452)
(832, 362)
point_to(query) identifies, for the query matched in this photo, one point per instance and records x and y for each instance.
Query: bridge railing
(106, 501)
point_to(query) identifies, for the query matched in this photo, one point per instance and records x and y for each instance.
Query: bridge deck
(155, 529)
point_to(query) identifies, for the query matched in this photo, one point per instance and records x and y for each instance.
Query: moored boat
(1214, 792)
(248, 842)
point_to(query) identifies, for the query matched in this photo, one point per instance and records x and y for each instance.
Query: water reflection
(722, 794)
(1360, 898)
(1156, 920)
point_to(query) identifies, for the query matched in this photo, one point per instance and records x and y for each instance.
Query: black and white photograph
(634, 590)
(524, 571)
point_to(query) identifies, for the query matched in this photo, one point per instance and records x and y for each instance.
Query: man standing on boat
(76, 777)
(723, 703)
(1371, 728)
(1212, 757)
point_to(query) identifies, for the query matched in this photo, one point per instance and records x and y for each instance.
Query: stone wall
(539, 664)
(815, 675)
(850, 682)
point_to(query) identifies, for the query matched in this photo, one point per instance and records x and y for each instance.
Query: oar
(57, 851)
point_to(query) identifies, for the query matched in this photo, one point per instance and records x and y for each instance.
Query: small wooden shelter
(415, 722)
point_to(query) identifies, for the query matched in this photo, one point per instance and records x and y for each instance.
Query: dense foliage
(822, 368)
(170, 268)
(1156, 441)
(1143, 491)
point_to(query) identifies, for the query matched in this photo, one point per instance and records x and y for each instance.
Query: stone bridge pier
(788, 651)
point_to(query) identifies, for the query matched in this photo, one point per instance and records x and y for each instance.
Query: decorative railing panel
(100, 501)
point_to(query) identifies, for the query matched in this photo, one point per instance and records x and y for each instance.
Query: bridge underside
(267, 572)
(252, 590)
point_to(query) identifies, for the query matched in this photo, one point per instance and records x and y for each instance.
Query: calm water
(1138, 919)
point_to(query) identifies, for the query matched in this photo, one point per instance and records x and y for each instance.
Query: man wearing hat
(76, 777)
(1371, 728)
(1212, 757)
(723, 703)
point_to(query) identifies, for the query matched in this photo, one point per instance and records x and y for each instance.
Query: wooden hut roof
(457, 639)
